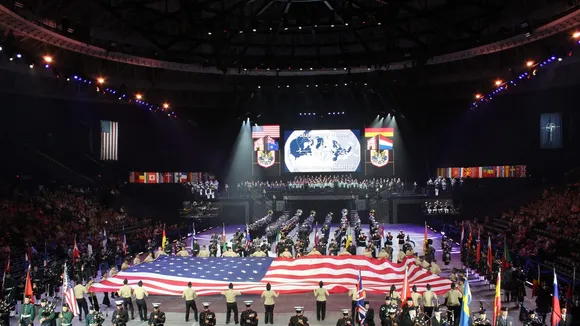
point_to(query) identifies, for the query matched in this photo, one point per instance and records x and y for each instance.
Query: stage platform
(174, 306)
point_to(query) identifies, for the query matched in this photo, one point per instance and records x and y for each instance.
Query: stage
(174, 305)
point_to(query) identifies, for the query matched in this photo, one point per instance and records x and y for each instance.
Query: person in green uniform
(90, 317)
(27, 313)
(65, 318)
(45, 313)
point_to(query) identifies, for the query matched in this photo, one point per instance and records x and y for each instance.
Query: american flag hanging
(167, 275)
(109, 140)
(68, 294)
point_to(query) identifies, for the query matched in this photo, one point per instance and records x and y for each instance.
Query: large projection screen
(336, 150)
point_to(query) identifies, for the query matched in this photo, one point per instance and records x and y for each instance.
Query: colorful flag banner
(169, 177)
(479, 172)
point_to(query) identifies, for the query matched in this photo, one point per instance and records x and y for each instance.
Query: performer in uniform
(249, 317)
(345, 320)
(429, 300)
(65, 318)
(157, 317)
(90, 317)
(437, 319)
(189, 295)
(231, 304)
(482, 319)
(27, 312)
(320, 294)
(125, 292)
(299, 319)
(120, 316)
(384, 311)
(269, 303)
(408, 314)
(206, 317)
(140, 294)
(532, 319)
(370, 317)
(46, 313)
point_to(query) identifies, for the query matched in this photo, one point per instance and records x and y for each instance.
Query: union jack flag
(361, 310)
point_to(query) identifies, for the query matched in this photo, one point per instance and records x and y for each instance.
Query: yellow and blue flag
(466, 301)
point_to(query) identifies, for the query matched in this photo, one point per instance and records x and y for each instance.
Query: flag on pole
(75, 253)
(406, 290)
(489, 256)
(478, 252)
(192, 233)
(163, 238)
(124, 242)
(466, 301)
(462, 234)
(497, 299)
(383, 235)
(360, 300)
(507, 259)
(248, 238)
(27, 258)
(28, 287)
(224, 242)
(425, 241)
(45, 258)
(316, 239)
(6, 271)
(536, 283)
(68, 294)
(348, 237)
(556, 311)
(104, 238)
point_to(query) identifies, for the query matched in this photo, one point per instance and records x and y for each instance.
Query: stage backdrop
(310, 151)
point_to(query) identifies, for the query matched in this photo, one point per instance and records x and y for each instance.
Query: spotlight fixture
(47, 59)
(498, 82)
(100, 80)
(166, 105)
(477, 96)
(529, 63)
(138, 96)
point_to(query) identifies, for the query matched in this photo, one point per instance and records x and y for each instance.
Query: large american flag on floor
(168, 275)
(109, 140)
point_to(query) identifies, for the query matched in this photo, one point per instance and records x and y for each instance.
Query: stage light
(19, 55)
(259, 86)
(311, 68)
(100, 80)
(498, 82)
(559, 59)
(31, 66)
(208, 33)
(345, 84)
(254, 30)
(315, 85)
(166, 105)
(287, 86)
(0, 48)
(299, 27)
(11, 59)
(576, 35)
(342, 112)
(139, 96)
(477, 96)
(529, 63)
(47, 59)
(332, 26)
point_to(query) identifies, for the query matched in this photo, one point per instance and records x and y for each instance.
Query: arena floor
(174, 306)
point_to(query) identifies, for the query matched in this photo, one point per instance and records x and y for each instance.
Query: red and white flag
(69, 295)
(75, 253)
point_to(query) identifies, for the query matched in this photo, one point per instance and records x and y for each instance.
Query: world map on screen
(322, 151)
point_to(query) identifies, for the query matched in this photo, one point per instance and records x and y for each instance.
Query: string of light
(532, 69)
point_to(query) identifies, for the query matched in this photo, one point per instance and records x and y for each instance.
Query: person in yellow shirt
(230, 253)
(368, 253)
(125, 265)
(435, 269)
(126, 292)
(344, 252)
(429, 301)
(189, 295)
(137, 259)
(269, 303)
(314, 252)
(203, 253)
(140, 295)
(183, 253)
(384, 254)
(160, 252)
(150, 257)
(395, 295)
(286, 253)
(453, 297)
(112, 272)
(258, 253)
(416, 297)
(231, 303)
(80, 291)
(320, 294)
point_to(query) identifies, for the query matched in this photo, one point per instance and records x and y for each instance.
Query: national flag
(45, 256)
(360, 301)
(348, 238)
(489, 256)
(272, 144)
(373, 143)
(75, 252)
(27, 258)
(167, 275)
(151, 177)
(163, 238)
(248, 238)
(316, 240)
(470, 237)
(536, 283)
(497, 299)
(383, 236)
(109, 140)
(28, 288)
(556, 311)
(478, 252)
(425, 239)
(385, 143)
(466, 301)
(268, 130)
(104, 238)
(6, 271)
(462, 234)
(224, 240)
(507, 259)
(167, 177)
(69, 295)
(124, 242)
(192, 233)
(386, 132)
(180, 177)
(406, 290)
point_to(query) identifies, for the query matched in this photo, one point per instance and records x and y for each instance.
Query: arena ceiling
(313, 35)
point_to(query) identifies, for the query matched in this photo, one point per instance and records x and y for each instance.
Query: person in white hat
(249, 317)
(157, 317)
(206, 317)
(299, 319)
(345, 320)
(120, 316)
